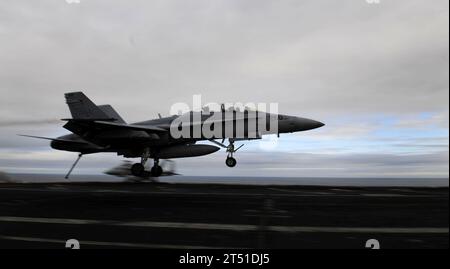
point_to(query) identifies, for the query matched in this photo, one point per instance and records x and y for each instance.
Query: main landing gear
(230, 161)
(156, 170)
(138, 169)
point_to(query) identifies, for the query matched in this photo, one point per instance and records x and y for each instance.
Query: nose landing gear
(230, 161)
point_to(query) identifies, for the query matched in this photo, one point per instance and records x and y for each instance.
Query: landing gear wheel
(230, 162)
(137, 169)
(156, 171)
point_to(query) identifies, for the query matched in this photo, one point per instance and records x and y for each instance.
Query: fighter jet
(100, 128)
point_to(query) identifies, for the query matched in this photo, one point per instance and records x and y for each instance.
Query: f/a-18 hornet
(100, 129)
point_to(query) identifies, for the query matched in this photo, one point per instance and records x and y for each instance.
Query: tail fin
(82, 108)
(110, 112)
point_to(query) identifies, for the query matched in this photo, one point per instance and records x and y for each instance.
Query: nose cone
(303, 124)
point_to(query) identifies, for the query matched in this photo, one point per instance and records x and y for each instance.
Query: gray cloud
(324, 59)
(143, 56)
(27, 122)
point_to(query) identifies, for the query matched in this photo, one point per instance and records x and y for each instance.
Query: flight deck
(189, 216)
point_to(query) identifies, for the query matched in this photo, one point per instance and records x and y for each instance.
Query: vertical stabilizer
(82, 108)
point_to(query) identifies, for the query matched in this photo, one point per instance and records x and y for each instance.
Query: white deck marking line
(385, 195)
(232, 227)
(102, 243)
(224, 194)
(384, 230)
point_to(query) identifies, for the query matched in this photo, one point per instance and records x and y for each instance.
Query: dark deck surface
(144, 215)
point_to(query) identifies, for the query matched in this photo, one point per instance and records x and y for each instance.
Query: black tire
(137, 169)
(156, 171)
(230, 162)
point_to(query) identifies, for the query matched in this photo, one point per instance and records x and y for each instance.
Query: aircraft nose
(308, 124)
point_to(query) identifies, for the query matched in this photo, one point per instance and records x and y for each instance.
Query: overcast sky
(376, 74)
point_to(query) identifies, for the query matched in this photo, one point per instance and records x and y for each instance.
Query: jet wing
(77, 126)
(149, 128)
(56, 139)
